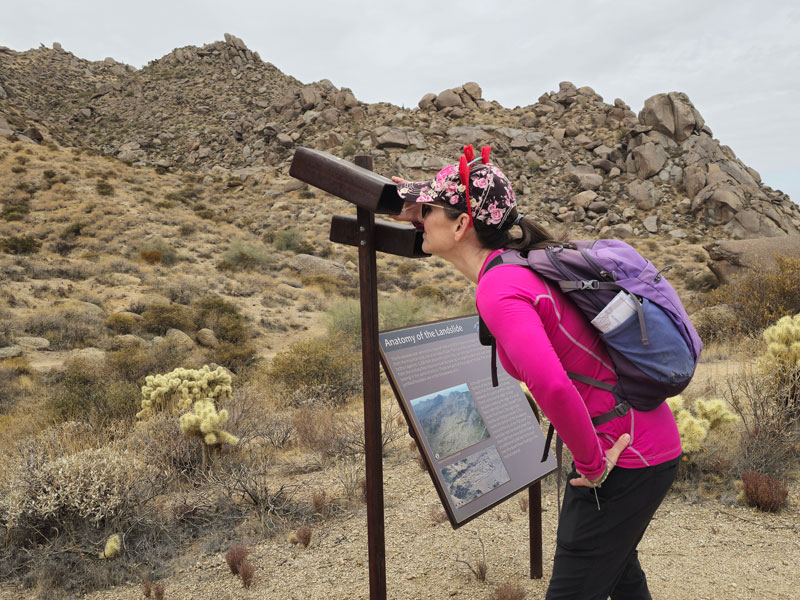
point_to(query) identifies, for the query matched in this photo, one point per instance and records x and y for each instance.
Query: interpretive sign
(481, 444)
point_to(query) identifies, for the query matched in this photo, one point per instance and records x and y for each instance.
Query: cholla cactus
(178, 390)
(694, 428)
(195, 395)
(204, 422)
(784, 344)
(113, 547)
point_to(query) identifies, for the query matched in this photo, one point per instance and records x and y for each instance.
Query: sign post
(373, 193)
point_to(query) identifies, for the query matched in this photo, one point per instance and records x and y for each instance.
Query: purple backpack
(652, 342)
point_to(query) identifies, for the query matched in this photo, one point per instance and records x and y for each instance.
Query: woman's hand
(612, 454)
(411, 210)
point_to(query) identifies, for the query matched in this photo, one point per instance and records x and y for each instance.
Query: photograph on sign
(482, 444)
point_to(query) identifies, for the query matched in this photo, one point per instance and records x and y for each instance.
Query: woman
(623, 468)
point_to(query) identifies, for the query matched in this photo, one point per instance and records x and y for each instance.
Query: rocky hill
(218, 109)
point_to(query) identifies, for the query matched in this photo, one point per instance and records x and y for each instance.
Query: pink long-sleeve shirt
(537, 347)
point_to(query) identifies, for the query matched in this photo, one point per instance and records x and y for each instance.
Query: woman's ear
(462, 226)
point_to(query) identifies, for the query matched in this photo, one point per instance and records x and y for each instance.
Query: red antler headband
(463, 172)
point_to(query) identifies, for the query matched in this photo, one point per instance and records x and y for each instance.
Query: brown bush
(760, 298)
(151, 257)
(119, 323)
(509, 591)
(246, 573)
(161, 317)
(158, 591)
(764, 492)
(303, 536)
(147, 588)
(235, 556)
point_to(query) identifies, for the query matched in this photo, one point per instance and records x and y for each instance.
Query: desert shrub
(244, 256)
(83, 393)
(162, 447)
(120, 323)
(771, 427)
(133, 363)
(96, 485)
(236, 357)
(508, 591)
(223, 317)
(235, 556)
(151, 257)
(19, 244)
(331, 285)
(158, 251)
(400, 311)
(6, 333)
(318, 370)
(72, 230)
(104, 188)
(764, 492)
(761, 298)
(430, 292)
(65, 328)
(343, 319)
(161, 317)
(287, 239)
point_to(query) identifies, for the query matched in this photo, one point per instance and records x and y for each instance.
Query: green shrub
(65, 328)
(85, 393)
(72, 230)
(235, 357)
(430, 292)
(244, 256)
(331, 285)
(319, 370)
(158, 251)
(19, 244)
(119, 323)
(133, 363)
(760, 298)
(161, 317)
(287, 239)
(343, 319)
(223, 318)
(104, 188)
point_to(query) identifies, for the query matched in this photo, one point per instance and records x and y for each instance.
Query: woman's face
(437, 234)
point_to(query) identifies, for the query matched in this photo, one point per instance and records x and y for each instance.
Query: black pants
(596, 549)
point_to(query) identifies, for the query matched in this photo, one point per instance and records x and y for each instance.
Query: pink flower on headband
(496, 214)
(424, 198)
(452, 188)
(480, 182)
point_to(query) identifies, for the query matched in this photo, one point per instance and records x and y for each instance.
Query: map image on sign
(475, 475)
(450, 420)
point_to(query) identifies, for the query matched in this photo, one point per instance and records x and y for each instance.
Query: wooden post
(535, 515)
(368, 285)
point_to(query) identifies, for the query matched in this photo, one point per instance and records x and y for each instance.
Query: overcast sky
(739, 61)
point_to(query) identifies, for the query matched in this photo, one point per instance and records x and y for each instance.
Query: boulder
(587, 181)
(447, 99)
(473, 89)
(651, 224)
(644, 193)
(11, 351)
(307, 264)
(33, 343)
(206, 337)
(426, 102)
(181, 340)
(127, 340)
(93, 357)
(730, 258)
(584, 199)
(672, 114)
(648, 160)
(390, 137)
(719, 205)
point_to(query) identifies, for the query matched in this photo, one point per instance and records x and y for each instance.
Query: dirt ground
(697, 547)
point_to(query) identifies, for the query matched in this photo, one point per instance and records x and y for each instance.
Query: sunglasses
(425, 209)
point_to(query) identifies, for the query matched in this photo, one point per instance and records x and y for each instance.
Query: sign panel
(481, 444)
